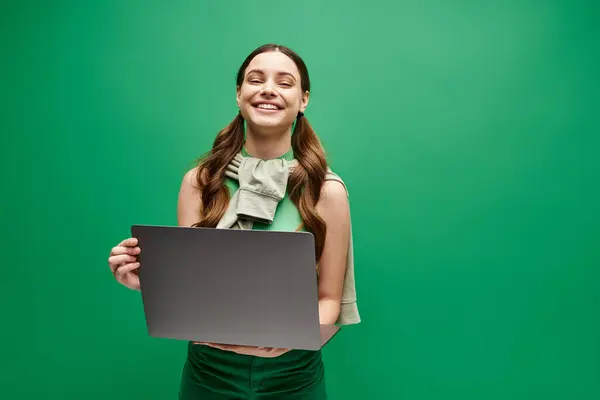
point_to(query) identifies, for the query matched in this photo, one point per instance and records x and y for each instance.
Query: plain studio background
(467, 133)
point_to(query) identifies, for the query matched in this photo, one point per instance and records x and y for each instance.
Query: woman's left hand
(267, 352)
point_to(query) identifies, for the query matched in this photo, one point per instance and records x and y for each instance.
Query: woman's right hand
(123, 263)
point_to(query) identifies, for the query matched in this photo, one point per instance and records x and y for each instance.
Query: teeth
(267, 106)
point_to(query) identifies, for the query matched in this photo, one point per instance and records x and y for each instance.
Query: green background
(466, 131)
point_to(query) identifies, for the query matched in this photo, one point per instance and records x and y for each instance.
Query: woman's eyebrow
(278, 73)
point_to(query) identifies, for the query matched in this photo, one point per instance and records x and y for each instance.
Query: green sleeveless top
(287, 217)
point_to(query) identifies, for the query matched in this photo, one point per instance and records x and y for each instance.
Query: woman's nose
(268, 89)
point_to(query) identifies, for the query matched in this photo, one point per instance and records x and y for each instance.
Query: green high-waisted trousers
(214, 374)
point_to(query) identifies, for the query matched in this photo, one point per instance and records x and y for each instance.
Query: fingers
(117, 250)
(223, 347)
(122, 260)
(124, 253)
(267, 352)
(129, 242)
(120, 272)
(226, 347)
(276, 352)
(206, 344)
(127, 246)
(115, 261)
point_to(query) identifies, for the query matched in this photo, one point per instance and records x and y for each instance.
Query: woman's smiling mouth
(267, 106)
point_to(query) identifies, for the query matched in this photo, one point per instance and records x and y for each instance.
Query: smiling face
(270, 94)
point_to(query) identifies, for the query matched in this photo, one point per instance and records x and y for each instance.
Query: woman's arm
(334, 208)
(188, 201)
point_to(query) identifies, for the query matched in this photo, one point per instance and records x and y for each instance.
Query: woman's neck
(267, 147)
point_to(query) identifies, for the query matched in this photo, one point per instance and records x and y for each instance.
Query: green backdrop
(466, 131)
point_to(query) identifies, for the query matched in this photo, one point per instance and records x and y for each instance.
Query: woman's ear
(304, 101)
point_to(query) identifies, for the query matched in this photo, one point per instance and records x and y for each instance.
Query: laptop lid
(244, 287)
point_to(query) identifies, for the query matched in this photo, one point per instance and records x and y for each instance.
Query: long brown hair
(305, 182)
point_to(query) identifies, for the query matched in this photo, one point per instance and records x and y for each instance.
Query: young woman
(271, 140)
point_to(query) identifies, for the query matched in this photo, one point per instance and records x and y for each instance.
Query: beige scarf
(262, 185)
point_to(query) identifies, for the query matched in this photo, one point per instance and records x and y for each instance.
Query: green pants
(213, 374)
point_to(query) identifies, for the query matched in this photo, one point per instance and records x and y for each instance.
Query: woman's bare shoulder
(334, 186)
(333, 194)
(333, 204)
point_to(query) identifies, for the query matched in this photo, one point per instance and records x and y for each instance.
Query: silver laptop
(239, 287)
